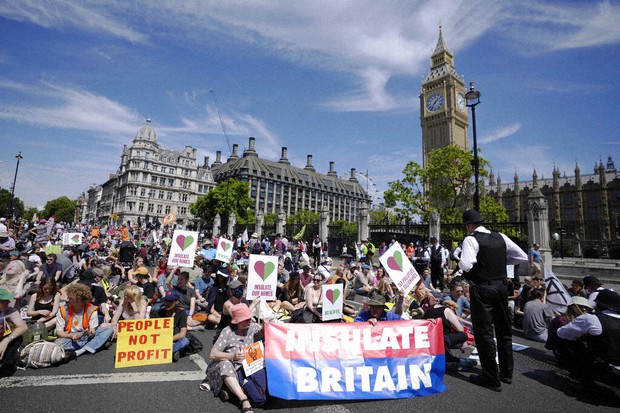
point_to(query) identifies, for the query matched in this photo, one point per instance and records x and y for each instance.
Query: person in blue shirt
(377, 310)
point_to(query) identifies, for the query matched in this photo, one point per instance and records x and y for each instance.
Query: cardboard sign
(183, 248)
(332, 297)
(53, 249)
(224, 250)
(262, 277)
(399, 268)
(347, 361)
(254, 358)
(72, 238)
(144, 342)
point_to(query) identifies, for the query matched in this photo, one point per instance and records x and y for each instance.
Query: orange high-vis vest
(88, 312)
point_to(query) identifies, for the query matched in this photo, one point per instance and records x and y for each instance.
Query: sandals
(246, 409)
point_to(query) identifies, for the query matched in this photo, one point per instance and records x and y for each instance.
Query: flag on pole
(245, 237)
(300, 234)
(557, 296)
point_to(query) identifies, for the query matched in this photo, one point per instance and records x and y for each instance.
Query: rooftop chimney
(309, 166)
(250, 151)
(353, 178)
(331, 172)
(218, 159)
(206, 164)
(234, 155)
(283, 158)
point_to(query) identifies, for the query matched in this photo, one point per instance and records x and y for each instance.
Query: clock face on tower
(460, 102)
(434, 102)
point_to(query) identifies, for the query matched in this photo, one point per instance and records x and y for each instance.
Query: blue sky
(336, 79)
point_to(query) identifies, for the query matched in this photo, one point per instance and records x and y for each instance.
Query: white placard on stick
(399, 268)
(183, 248)
(262, 277)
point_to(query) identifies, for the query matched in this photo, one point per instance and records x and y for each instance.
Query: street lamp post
(473, 99)
(19, 158)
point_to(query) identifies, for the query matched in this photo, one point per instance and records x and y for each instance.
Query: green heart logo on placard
(225, 245)
(263, 269)
(395, 262)
(183, 242)
(332, 295)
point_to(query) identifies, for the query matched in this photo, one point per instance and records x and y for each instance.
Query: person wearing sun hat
(12, 328)
(601, 332)
(227, 354)
(377, 310)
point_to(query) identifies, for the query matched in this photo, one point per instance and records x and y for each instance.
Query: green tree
(349, 229)
(383, 216)
(29, 213)
(62, 208)
(5, 200)
(449, 190)
(303, 216)
(271, 219)
(229, 196)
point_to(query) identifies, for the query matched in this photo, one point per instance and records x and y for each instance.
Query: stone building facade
(150, 182)
(279, 187)
(586, 206)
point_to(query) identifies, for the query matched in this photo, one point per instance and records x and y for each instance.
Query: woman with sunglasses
(51, 268)
(313, 298)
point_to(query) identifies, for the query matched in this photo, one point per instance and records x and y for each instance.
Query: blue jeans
(180, 344)
(102, 335)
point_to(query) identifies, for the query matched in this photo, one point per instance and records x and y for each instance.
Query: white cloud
(501, 133)
(67, 13)
(70, 108)
(546, 27)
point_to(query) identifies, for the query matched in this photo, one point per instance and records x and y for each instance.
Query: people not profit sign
(399, 268)
(394, 359)
(262, 277)
(144, 342)
(183, 248)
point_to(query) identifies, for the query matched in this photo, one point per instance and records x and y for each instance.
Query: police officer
(484, 257)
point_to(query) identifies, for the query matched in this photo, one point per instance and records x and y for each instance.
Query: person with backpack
(437, 263)
(368, 249)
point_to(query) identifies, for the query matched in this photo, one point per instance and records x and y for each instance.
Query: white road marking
(111, 378)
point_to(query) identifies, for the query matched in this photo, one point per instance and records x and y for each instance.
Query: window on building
(162, 181)
(160, 208)
(183, 210)
(168, 209)
(150, 208)
(146, 165)
(170, 182)
(184, 184)
(169, 195)
(161, 194)
(171, 170)
(184, 197)
(141, 207)
(154, 180)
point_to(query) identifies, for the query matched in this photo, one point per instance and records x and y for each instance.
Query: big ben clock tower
(443, 111)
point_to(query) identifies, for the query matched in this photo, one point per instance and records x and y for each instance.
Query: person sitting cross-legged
(77, 324)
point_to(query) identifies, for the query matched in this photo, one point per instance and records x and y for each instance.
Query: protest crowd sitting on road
(81, 291)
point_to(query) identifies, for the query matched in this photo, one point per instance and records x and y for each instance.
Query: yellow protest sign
(144, 342)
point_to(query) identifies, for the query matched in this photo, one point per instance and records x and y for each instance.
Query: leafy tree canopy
(229, 196)
(62, 208)
(5, 200)
(303, 216)
(449, 189)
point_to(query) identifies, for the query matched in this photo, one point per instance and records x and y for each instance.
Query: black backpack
(257, 248)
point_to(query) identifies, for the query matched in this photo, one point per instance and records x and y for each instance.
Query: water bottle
(39, 331)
